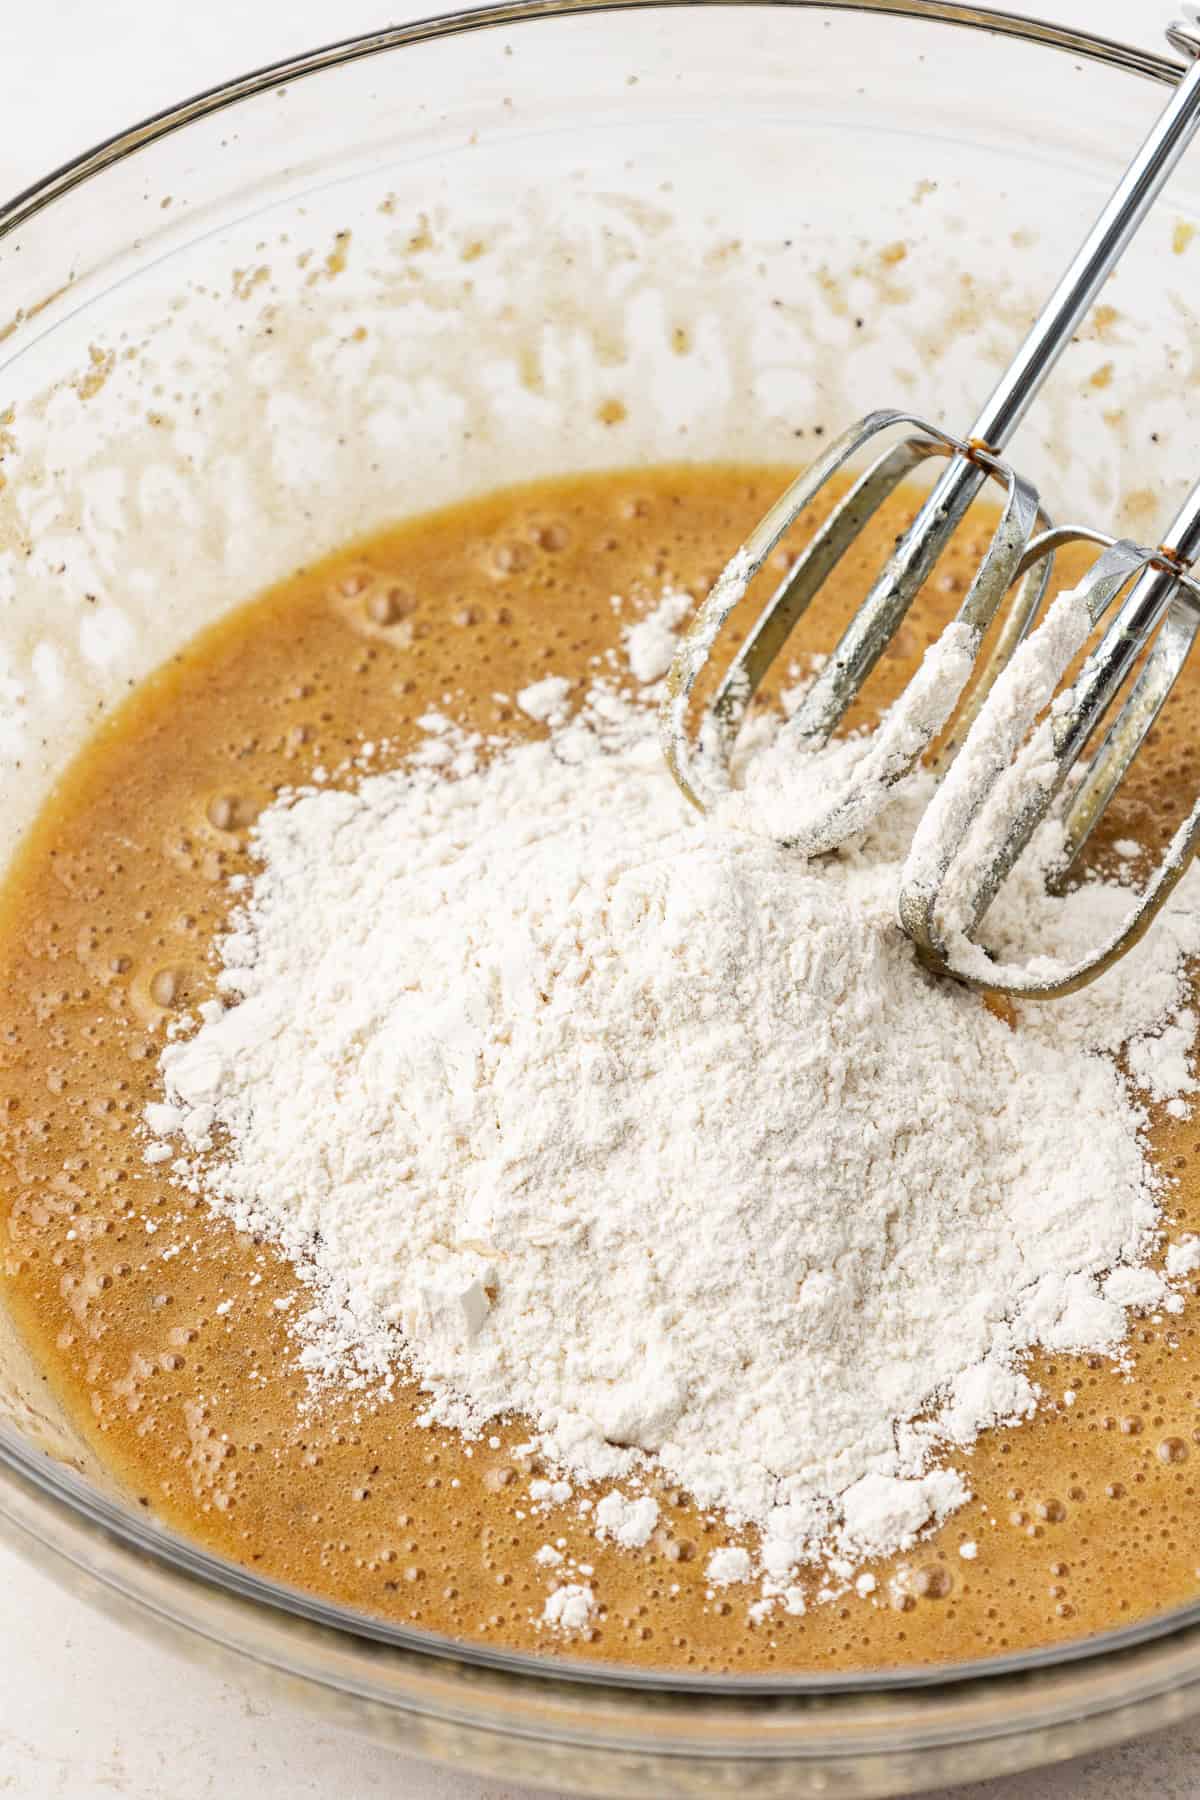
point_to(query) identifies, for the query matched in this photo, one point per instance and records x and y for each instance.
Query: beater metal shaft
(702, 768)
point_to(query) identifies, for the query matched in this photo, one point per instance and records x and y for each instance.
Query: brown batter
(1083, 1518)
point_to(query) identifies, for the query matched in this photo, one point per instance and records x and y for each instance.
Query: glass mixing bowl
(535, 238)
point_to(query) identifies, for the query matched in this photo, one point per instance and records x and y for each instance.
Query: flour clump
(656, 1134)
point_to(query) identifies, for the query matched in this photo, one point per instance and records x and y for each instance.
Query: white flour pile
(658, 1135)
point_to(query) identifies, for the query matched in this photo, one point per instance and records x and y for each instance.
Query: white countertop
(88, 1711)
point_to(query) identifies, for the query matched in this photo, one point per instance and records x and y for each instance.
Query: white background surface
(87, 1711)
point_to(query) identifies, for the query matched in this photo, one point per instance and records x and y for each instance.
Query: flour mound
(657, 1134)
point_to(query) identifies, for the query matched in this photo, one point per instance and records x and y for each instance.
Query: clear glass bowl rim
(56, 1514)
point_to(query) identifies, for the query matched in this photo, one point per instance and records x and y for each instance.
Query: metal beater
(1007, 781)
(1015, 568)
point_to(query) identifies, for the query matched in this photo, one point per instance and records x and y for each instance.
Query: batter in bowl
(169, 1333)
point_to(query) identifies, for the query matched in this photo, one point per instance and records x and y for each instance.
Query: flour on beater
(592, 1111)
(814, 799)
